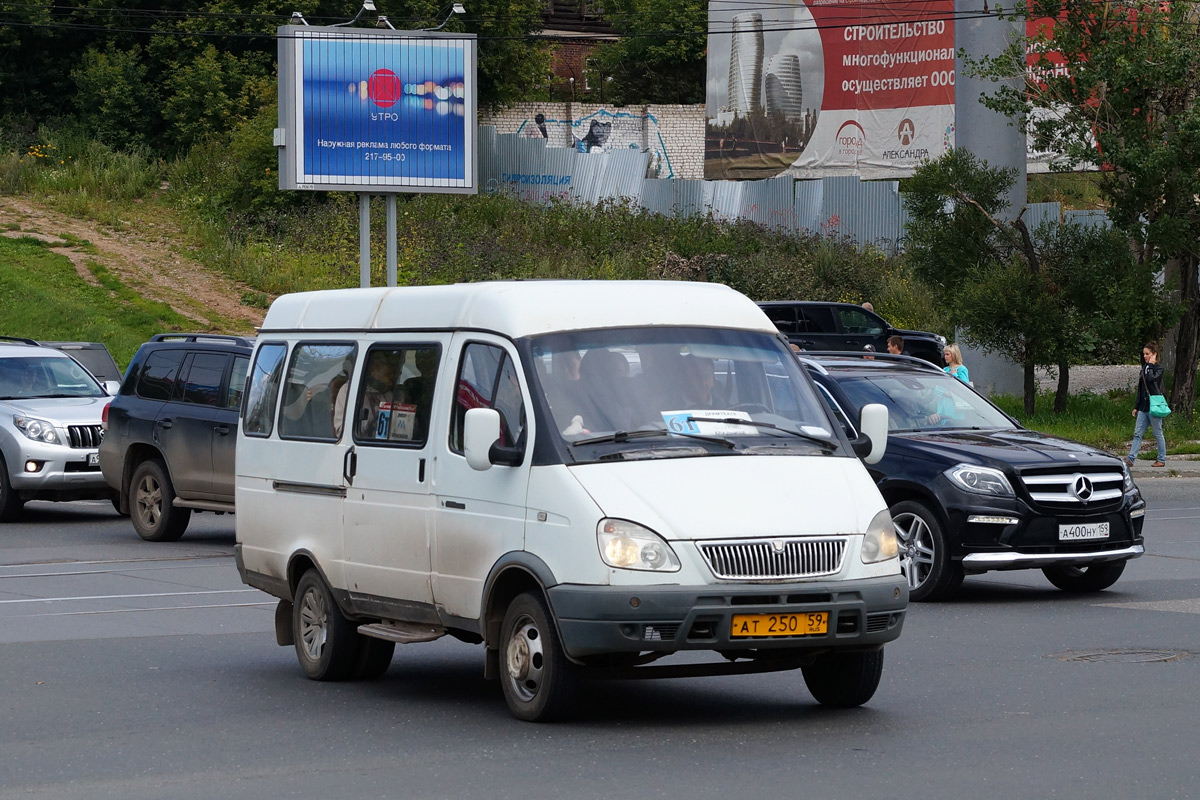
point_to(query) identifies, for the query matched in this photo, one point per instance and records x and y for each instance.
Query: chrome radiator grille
(85, 435)
(773, 559)
(1074, 491)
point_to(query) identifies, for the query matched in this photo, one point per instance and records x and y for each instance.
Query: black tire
(1081, 580)
(327, 645)
(844, 680)
(374, 658)
(539, 682)
(151, 504)
(11, 504)
(925, 553)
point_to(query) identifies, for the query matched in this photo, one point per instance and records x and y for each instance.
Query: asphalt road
(140, 670)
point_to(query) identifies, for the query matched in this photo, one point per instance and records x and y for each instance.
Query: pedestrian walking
(1149, 383)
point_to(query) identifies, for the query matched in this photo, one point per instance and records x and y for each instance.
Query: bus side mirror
(481, 430)
(871, 443)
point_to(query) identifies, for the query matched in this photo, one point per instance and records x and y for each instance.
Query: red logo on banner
(384, 88)
(850, 139)
(906, 132)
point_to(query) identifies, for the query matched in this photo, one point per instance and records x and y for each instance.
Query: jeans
(1139, 430)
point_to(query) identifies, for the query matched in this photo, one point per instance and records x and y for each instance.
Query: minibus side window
(395, 397)
(259, 416)
(314, 394)
(487, 378)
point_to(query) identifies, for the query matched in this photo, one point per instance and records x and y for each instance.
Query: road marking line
(1191, 606)
(197, 557)
(124, 596)
(132, 610)
(120, 571)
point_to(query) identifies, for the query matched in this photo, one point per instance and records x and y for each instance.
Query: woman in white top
(954, 364)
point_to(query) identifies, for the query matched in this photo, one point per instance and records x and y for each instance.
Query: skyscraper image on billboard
(757, 120)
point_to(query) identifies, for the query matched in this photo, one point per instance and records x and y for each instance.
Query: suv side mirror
(481, 430)
(112, 387)
(871, 443)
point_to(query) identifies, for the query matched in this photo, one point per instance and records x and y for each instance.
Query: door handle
(456, 504)
(221, 430)
(165, 423)
(350, 465)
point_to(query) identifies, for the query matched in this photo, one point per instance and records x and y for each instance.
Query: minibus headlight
(627, 545)
(879, 542)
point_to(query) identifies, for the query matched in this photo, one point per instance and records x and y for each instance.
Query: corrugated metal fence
(868, 212)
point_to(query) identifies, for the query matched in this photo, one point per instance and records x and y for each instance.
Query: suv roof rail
(862, 355)
(18, 340)
(216, 338)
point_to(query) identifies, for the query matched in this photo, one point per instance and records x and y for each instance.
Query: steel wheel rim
(916, 548)
(149, 501)
(314, 624)
(525, 662)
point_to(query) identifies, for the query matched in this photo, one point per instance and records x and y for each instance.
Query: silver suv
(50, 427)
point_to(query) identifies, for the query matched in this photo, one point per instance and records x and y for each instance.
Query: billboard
(376, 111)
(828, 87)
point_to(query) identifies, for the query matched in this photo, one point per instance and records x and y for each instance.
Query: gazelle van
(585, 477)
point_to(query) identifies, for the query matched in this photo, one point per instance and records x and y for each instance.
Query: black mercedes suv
(970, 490)
(169, 445)
(817, 325)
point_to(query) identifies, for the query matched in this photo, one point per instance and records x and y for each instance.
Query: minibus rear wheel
(538, 680)
(327, 645)
(844, 680)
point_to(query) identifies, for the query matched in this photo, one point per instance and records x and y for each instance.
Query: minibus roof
(519, 308)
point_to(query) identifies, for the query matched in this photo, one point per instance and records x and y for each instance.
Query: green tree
(661, 56)
(1127, 101)
(1051, 297)
(116, 102)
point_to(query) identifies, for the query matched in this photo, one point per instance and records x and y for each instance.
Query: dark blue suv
(971, 491)
(169, 445)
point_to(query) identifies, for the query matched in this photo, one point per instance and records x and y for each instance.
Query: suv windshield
(45, 376)
(659, 392)
(924, 401)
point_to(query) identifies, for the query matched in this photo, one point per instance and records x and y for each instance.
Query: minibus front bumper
(598, 620)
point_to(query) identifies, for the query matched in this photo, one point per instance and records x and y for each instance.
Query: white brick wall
(672, 134)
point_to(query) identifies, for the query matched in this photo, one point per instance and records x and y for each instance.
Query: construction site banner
(828, 87)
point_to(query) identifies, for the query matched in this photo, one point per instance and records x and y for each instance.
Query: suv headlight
(879, 542)
(1127, 481)
(37, 429)
(980, 480)
(627, 545)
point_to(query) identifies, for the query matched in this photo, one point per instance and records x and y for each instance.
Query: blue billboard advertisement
(373, 111)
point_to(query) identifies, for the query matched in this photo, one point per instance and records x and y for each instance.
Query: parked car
(971, 490)
(93, 355)
(172, 428)
(50, 427)
(816, 325)
(490, 461)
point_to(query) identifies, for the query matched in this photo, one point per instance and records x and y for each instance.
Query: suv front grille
(85, 436)
(774, 559)
(1079, 490)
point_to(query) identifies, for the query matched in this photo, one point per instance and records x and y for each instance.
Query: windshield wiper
(625, 436)
(828, 443)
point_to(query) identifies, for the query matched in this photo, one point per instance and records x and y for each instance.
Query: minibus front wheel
(539, 682)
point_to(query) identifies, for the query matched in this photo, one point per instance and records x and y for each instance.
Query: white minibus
(589, 478)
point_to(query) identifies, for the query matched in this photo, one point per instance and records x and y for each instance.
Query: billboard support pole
(364, 239)
(391, 240)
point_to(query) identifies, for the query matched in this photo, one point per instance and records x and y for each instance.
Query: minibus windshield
(686, 390)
